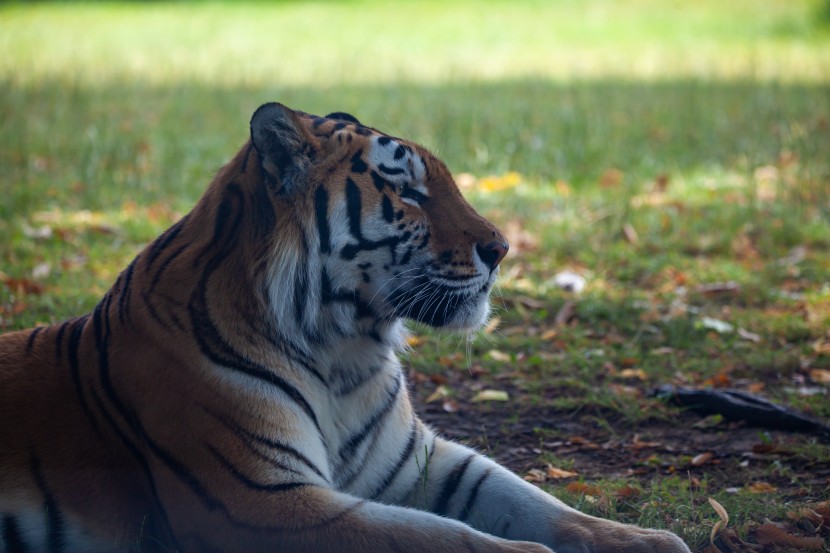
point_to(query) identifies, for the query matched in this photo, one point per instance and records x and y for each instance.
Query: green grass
(703, 126)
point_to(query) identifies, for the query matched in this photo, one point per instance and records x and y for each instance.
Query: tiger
(239, 387)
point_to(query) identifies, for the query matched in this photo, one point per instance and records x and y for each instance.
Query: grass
(661, 148)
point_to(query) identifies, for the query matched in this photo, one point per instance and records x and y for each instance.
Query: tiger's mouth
(462, 306)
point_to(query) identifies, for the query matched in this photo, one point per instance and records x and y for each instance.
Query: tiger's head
(370, 229)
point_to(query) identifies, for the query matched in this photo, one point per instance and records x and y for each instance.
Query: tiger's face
(395, 237)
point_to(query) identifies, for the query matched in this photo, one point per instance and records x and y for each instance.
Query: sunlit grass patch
(324, 43)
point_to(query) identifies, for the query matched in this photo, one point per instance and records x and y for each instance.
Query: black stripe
(321, 208)
(166, 263)
(208, 338)
(414, 431)
(124, 298)
(358, 165)
(164, 240)
(75, 367)
(224, 237)
(258, 486)
(145, 466)
(354, 442)
(102, 338)
(347, 381)
(290, 350)
(260, 215)
(301, 289)
(388, 211)
(54, 519)
(451, 484)
(352, 467)
(59, 342)
(390, 170)
(471, 499)
(11, 536)
(413, 194)
(247, 436)
(31, 341)
(151, 310)
(379, 182)
(353, 208)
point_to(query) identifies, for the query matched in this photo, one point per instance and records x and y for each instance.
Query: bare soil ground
(602, 446)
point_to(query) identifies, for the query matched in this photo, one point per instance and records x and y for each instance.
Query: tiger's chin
(469, 317)
(456, 313)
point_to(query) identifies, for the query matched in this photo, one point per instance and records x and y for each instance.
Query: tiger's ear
(282, 142)
(343, 116)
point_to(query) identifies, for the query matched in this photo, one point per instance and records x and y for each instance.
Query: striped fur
(238, 387)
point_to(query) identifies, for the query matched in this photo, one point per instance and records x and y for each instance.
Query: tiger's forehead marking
(396, 162)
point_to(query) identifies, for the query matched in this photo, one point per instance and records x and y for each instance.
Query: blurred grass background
(655, 147)
(114, 107)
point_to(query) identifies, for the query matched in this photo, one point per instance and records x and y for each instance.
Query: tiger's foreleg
(313, 519)
(459, 483)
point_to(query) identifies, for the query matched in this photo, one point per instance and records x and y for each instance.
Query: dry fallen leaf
(760, 487)
(628, 492)
(41, 271)
(721, 327)
(638, 374)
(530, 303)
(583, 488)
(22, 286)
(438, 379)
(823, 509)
(38, 233)
(495, 183)
(702, 459)
(719, 288)
(630, 234)
(535, 475)
(637, 443)
(549, 334)
(770, 534)
(415, 341)
(492, 325)
(611, 177)
(806, 513)
(820, 375)
(450, 406)
(500, 356)
(822, 346)
(441, 392)
(451, 360)
(465, 181)
(553, 472)
(490, 395)
(749, 336)
(724, 520)
(520, 239)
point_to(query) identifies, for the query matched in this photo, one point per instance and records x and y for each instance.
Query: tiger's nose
(492, 253)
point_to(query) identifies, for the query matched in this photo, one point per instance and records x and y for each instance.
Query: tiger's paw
(524, 547)
(602, 536)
